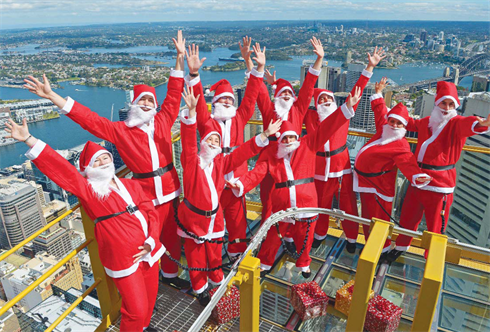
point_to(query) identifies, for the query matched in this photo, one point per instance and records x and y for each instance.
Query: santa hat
(280, 85)
(400, 113)
(141, 90)
(211, 127)
(222, 88)
(447, 90)
(317, 93)
(287, 129)
(91, 151)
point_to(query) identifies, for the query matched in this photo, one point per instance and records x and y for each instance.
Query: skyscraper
(423, 36)
(354, 71)
(364, 118)
(480, 83)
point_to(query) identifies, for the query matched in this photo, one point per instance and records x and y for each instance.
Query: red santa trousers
(265, 196)
(235, 212)
(272, 242)
(204, 255)
(169, 237)
(417, 202)
(371, 209)
(348, 203)
(139, 294)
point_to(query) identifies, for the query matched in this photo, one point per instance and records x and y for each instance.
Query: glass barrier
(459, 314)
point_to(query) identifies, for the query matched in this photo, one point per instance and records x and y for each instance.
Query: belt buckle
(290, 183)
(131, 209)
(208, 214)
(160, 171)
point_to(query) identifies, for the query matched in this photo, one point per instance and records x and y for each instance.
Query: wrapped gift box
(228, 306)
(343, 298)
(382, 315)
(309, 300)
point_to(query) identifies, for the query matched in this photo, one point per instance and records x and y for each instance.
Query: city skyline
(36, 13)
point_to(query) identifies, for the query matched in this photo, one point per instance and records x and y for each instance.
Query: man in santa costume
(286, 105)
(376, 163)
(126, 228)
(333, 174)
(290, 162)
(200, 215)
(144, 141)
(441, 138)
(232, 122)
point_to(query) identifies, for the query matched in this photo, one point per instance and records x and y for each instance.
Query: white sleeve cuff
(149, 241)
(184, 117)
(261, 143)
(177, 73)
(256, 73)
(247, 73)
(313, 71)
(348, 112)
(478, 132)
(420, 185)
(375, 96)
(192, 81)
(68, 106)
(366, 73)
(238, 192)
(35, 150)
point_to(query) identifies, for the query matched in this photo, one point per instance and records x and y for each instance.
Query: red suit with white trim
(118, 237)
(200, 213)
(333, 173)
(441, 149)
(232, 133)
(375, 167)
(145, 149)
(296, 166)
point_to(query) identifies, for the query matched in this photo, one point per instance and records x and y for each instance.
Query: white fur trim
(169, 275)
(277, 93)
(288, 133)
(314, 71)
(247, 73)
(256, 73)
(348, 112)
(303, 268)
(68, 106)
(238, 192)
(216, 283)
(122, 273)
(192, 81)
(324, 93)
(260, 143)
(420, 185)
(320, 237)
(432, 138)
(456, 101)
(376, 96)
(385, 249)
(184, 117)
(209, 134)
(224, 94)
(366, 73)
(202, 289)
(265, 267)
(402, 248)
(35, 150)
(442, 190)
(479, 132)
(96, 155)
(151, 242)
(146, 93)
(155, 258)
(167, 198)
(288, 239)
(399, 118)
(176, 73)
(351, 240)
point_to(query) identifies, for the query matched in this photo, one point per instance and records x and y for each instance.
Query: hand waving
(270, 78)
(377, 56)
(317, 47)
(19, 133)
(245, 49)
(179, 43)
(193, 61)
(381, 85)
(259, 57)
(353, 100)
(43, 90)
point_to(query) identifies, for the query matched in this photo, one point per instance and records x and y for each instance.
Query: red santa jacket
(203, 187)
(443, 148)
(118, 237)
(297, 166)
(298, 110)
(375, 158)
(339, 164)
(145, 148)
(232, 129)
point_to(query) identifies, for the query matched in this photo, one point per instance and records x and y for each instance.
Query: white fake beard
(222, 112)
(282, 107)
(137, 116)
(391, 134)
(284, 149)
(207, 154)
(438, 118)
(326, 109)
(99, 179)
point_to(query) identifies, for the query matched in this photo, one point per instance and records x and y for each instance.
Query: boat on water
(231, 59)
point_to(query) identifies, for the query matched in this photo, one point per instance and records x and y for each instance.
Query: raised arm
(194, 80)
(87, 119)
(188, 129)
(251, 179)
(378, 105)
(472, 125)
(246, 52)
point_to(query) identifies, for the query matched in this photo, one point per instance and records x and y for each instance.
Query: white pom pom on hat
(274, 87)
(278, 134)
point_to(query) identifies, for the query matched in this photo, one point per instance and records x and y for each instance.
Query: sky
(42, 13)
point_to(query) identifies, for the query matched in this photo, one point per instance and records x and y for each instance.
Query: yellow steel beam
(365, 274)
(38, 281)
(250, 290)
(73, 306)
(39, 232)
(432, 281)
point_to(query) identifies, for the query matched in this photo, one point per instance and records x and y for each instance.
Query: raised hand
(377, 56)
(43, 90)
(317, 47)
(484, 122)
(381, 85)
(179, 43)
(353, 99)
(193, 61)
(273, 128)
(270, 78)
(145, 249)
(245, 49)
(190, 100)
(259, 57)
(19, 133)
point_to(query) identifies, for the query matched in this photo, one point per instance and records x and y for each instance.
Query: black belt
(290, 183)
(228, 149)
(370, 175)
(272, 138)
(207, 214)
(159, 172)
(328, 154)
(436, 168)
(131, 209)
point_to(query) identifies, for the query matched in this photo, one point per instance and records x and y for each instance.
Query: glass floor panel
(274, 302)
(335, 279)
(333, 321)
(459, 314)
(324, 249)
(403, 294)
(286, 270)
(409, 267)
(347, 259)
(468, 282)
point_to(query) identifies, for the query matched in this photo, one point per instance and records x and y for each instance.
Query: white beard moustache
(438, 118)
(282, 107)
(391, 134)
(223, 113)
(207, 154)
(99, 179)
(326, 109)
(137, 117)
(284, 149)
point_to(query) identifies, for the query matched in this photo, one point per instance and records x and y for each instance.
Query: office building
(354, 71)
(364, 118)
(480, 83)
